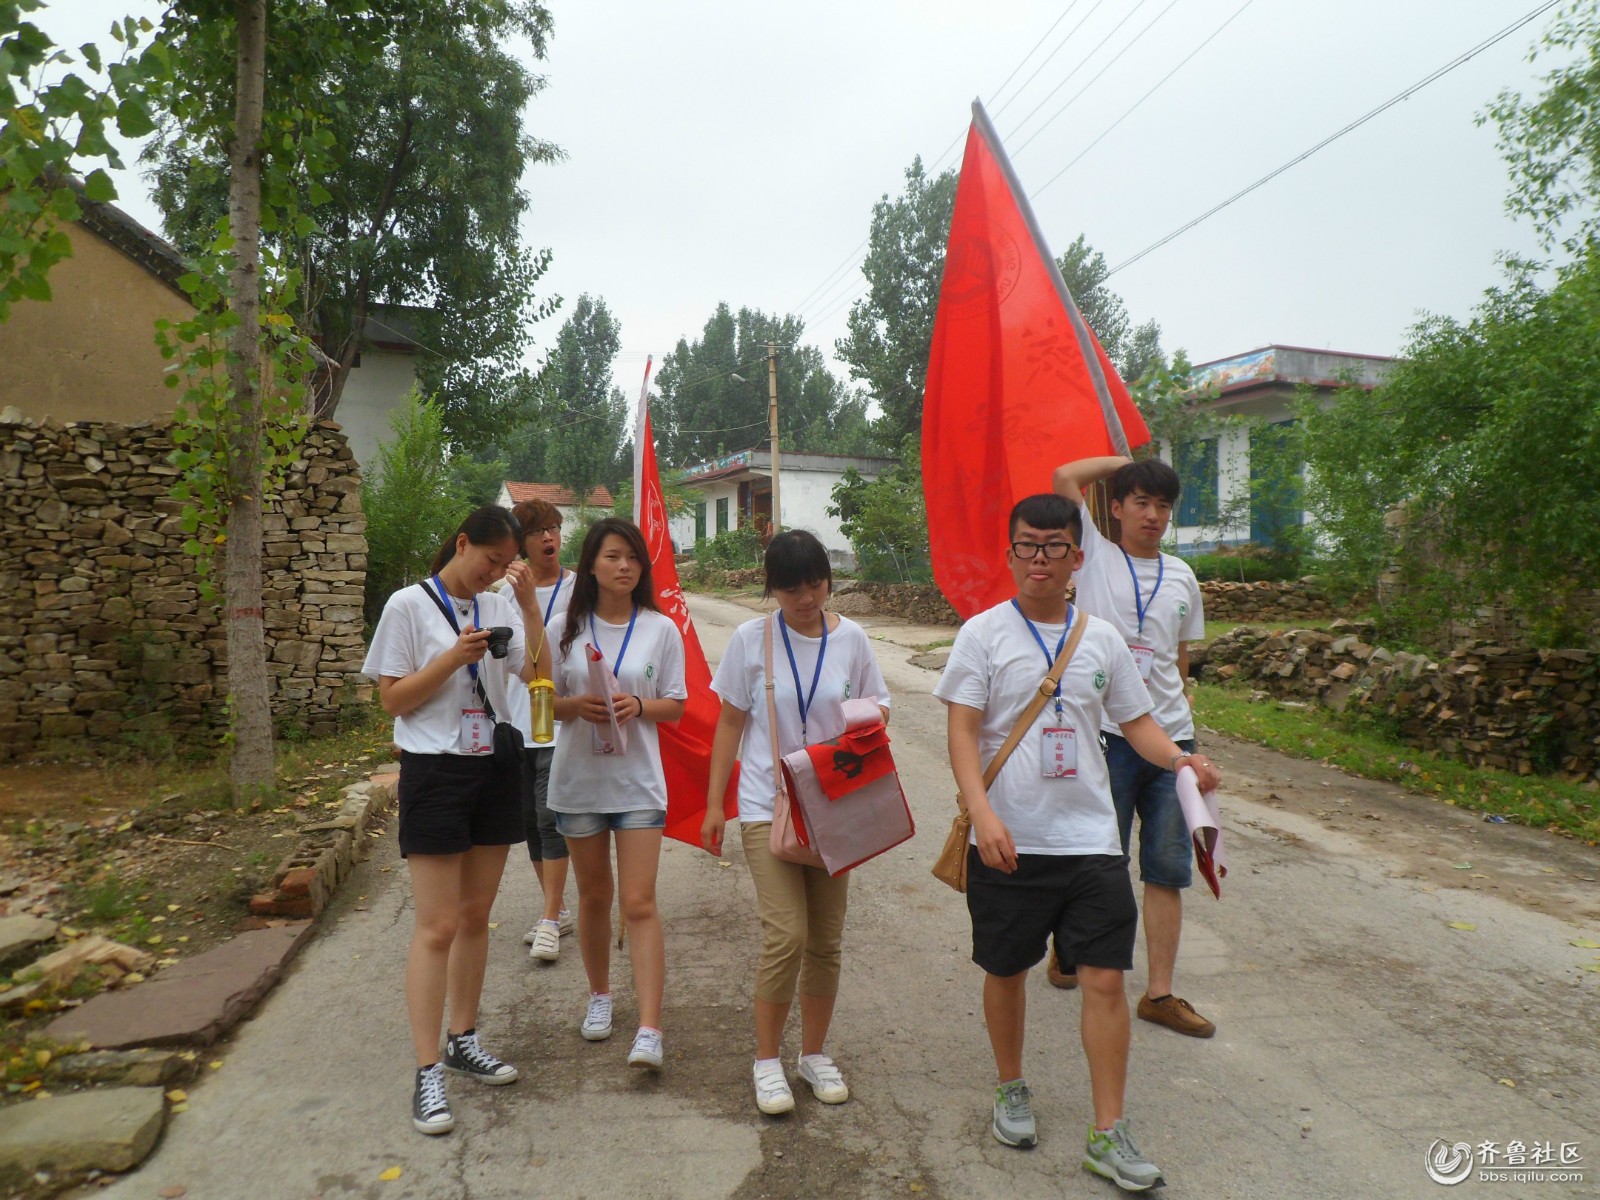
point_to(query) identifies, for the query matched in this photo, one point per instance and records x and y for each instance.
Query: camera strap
(472, 668)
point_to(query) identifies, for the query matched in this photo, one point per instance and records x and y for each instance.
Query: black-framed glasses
(544, 529)
(1055, 550)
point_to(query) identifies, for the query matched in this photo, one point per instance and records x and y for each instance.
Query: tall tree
(252, 766)
(589, 413)
(423, 201)
(715, 392)
(1552, 143)
(1135, 349)
(891, 327)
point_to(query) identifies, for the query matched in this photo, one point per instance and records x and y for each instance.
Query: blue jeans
(1166, 853)
(582, 825)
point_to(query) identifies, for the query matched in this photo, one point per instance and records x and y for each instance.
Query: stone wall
(105, 640)
(1292, 600)
(1520, 710)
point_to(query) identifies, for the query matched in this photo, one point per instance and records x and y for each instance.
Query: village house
(1215, 508)
(736, 490)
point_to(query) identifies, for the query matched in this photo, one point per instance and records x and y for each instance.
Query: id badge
(1060, 753)
(599, 743)
(477, 732)
(1145, 659)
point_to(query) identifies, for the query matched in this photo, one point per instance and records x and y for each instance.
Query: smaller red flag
(1017, 382)
(686, 742)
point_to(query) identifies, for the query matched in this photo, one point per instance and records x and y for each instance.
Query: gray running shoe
(1114, 1156)
(1013, 1115)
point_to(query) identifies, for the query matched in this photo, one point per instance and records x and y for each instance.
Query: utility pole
(772, 428)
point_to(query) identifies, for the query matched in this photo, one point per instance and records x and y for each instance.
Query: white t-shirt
(582, 781)
(996, 666)
(551, 600)
(849, 670)
(412, 633)
(1173, 613)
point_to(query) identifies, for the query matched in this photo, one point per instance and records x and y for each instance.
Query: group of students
(1048, 861)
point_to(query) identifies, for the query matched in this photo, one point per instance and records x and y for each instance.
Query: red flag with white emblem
(685, 743)
(1017, 381)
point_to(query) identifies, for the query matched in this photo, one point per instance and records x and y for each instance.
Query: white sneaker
(772, 1090)
(566, 922)
(826, 1083)
(647, 1051)
(597, 1021)
(546, 942)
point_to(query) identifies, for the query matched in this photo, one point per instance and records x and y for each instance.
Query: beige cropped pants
(802, 921)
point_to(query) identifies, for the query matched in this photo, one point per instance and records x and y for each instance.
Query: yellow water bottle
(542, 710)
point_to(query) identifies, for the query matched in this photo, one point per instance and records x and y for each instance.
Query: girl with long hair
(606, 781)
(821, 660)
(460, 811)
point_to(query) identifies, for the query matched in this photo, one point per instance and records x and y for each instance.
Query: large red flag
(685, 743)
(1017, 382)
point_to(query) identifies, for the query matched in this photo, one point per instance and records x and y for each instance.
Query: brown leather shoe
(1175, 1013)
(1060, 978)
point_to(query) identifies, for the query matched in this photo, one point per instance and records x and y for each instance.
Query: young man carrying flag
(1153, 600)
(1046, 860)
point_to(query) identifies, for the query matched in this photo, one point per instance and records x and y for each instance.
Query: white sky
(727, 150)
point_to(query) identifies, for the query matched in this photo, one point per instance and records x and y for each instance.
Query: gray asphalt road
(1356, 1026)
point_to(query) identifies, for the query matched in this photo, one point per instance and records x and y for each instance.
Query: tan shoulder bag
(951, 865)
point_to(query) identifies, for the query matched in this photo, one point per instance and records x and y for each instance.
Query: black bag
(507, 737)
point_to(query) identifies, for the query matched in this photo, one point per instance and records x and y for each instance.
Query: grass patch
(1364, 747)
(940, 644)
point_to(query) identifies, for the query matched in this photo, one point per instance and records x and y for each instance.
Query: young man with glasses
(1046, 859)
(1153, 601)
(541, 546)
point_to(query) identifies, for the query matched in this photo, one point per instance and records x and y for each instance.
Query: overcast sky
(727, 150)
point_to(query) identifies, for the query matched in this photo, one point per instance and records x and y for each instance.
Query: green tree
(411, 502)
(56, 126)
(714, 392)
(1487, 438)
(589, 411)
(423, 199)
(886, 519)
(891, 327)
(1552, 143)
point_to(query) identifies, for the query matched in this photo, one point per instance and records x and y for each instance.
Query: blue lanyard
(1140, 605)
(616, 667)
(1049, 659)
(449, 611)
(804, 700)
(550, 607)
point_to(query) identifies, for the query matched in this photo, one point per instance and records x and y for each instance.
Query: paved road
(1355, 1025)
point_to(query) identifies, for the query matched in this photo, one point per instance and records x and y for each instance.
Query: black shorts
(1085, 901)
(450, 803)
(544, 839)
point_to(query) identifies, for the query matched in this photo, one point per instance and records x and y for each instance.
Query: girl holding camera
(606, 780)
(442, 647)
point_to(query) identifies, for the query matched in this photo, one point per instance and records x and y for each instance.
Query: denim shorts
(1166, 853)
(582, 825)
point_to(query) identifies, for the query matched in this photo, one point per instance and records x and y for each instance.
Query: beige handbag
(951, 865)
(790, 840)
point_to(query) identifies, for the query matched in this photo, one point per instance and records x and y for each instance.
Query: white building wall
(371, 396)
(804, 497)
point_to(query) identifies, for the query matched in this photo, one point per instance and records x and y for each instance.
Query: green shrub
(1245, 565)
(731, 550)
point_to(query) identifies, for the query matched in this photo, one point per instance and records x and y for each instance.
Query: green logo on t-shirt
(1099, 681)
(1183, 609)
(649, 670)
(847, 689)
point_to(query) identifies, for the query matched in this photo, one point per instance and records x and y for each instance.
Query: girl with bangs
(606, 779)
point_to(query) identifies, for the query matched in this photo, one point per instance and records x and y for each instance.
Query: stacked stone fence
(106, 640)
(1527, 711)
(1272, 602)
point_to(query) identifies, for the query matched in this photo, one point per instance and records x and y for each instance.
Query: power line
(1143, 98)
(1333, 137)
(1131, 44)
(1125, 19)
